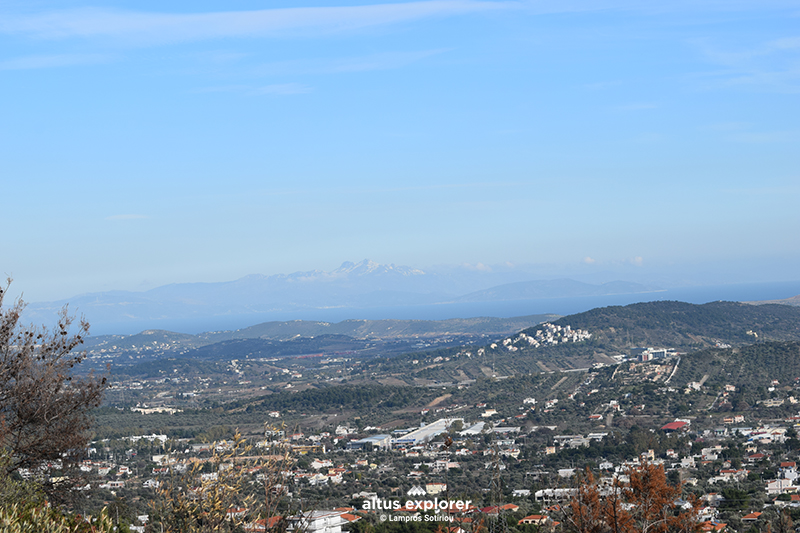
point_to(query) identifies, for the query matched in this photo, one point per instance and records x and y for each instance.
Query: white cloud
(149, 28)
(152, 28)
(589, 261)
(480, 267)
(770, 65)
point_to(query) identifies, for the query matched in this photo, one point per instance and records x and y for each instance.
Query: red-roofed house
(536, 519)
(351, 517)
(262, 524)
(675, 426)
(712, 527)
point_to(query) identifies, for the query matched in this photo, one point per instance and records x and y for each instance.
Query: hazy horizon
(370, 291)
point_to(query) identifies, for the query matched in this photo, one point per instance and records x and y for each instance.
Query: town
(514, 447)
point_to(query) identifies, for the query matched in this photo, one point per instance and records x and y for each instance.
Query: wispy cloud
(149, 28)
(51, 61)
(479, 267)
(152, 28)
(771, 65)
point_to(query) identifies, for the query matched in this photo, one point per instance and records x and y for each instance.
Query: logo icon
(416, 490)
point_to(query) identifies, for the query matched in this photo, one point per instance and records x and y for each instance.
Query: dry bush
(193, 503)
(644, 504)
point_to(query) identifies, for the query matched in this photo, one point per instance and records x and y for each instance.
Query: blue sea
(505, 309)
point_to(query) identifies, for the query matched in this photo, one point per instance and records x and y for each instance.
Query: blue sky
(145, 143)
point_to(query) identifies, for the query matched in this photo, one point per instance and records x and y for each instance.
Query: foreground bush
(226, 500)
(21, 519)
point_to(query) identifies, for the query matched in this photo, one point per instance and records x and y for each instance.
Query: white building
(780, 486)
(317, 522)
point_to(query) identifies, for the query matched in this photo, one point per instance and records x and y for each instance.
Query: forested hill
(748, 367)
(679, 324)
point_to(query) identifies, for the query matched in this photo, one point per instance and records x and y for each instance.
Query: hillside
(686, 326)
(750, 367)
(611, 331)
(298, 337)
(644, 397)
(383, 329)
(243, 348)
(794, 301)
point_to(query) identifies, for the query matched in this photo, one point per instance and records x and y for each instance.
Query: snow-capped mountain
(356, 286)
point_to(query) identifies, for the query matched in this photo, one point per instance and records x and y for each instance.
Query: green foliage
(735, 499)
(258, 347)
(340, 397)
(16, 518)
(680, 324)
(14, 489)
(750, 368)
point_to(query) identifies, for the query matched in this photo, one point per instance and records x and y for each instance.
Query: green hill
(683, 325)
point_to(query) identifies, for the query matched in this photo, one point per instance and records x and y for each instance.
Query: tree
(44, 408)
(645, 503)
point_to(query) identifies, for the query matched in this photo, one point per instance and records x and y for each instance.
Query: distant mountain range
(361, 285)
